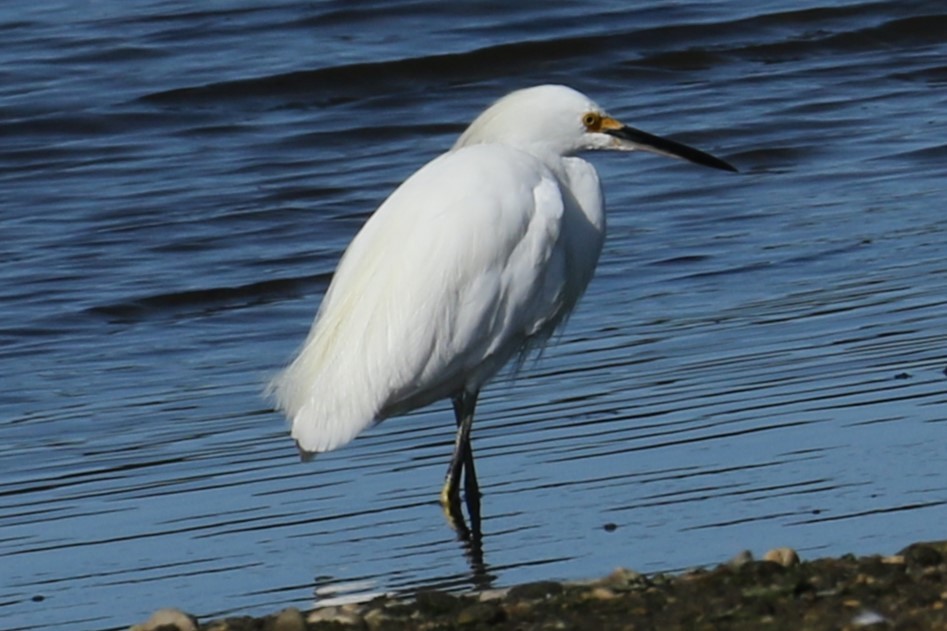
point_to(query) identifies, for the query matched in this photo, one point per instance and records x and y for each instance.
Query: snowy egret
(474, 260)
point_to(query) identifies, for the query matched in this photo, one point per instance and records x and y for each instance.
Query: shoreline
(906, 590)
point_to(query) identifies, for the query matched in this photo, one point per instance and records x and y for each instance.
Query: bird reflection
(470, 535)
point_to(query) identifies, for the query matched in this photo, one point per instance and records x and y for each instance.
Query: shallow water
(759, 361)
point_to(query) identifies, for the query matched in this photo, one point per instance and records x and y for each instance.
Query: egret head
(559, 120)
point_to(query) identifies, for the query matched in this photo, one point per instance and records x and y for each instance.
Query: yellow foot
(450, 495)
(455, 517)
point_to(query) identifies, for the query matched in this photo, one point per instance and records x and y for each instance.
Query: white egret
(474, 260)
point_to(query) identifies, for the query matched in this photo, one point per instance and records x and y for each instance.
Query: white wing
(450, 277)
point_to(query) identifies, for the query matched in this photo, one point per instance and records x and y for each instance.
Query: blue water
(760, 360)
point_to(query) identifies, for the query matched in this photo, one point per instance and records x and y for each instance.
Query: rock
(493, 594)
(375, 618)
(237, 623)
(166, 620)
(434, 602)
(623, 579)
(741, 558)
(540, 590)
(601, 593)
(290, 619)
(518, 608)
(481, 614)
(868, 618)
(786, 557)
(924, 554)
(344, 614)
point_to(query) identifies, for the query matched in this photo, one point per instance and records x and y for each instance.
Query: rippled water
(759, 361)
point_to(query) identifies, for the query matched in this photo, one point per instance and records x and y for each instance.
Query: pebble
(601, 593)
(375, 618)
(741, 559)
(922, 555)
(867, 618)
(536, 591)
(290, 619)
(344, 614)
(431, 601)
(623, 579)
(493, 594)
(481, 613)
(786, 557)
(167, 618)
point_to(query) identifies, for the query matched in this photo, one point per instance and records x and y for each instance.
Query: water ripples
(759, 361)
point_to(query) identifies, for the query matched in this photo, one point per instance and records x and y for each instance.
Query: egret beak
(635, 139)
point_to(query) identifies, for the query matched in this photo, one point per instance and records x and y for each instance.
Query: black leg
(462, 462)
(464, 406)
(464, 411)
(450, 494)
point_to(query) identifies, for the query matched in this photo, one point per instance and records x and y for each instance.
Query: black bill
(655, 144)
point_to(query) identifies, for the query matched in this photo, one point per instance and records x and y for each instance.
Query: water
(759, 361)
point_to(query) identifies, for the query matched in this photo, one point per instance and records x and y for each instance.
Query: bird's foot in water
(450, 504)
(453, 513)
(450, 494)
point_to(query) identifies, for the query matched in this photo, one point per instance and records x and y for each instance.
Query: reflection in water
(471, 540)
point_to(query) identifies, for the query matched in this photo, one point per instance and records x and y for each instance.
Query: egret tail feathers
(324, 413)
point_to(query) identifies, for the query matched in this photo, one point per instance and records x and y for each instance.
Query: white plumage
(474, 259)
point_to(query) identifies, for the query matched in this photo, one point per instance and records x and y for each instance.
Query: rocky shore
(907, 590)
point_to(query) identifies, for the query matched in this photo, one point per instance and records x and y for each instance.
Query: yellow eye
(592, 121)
